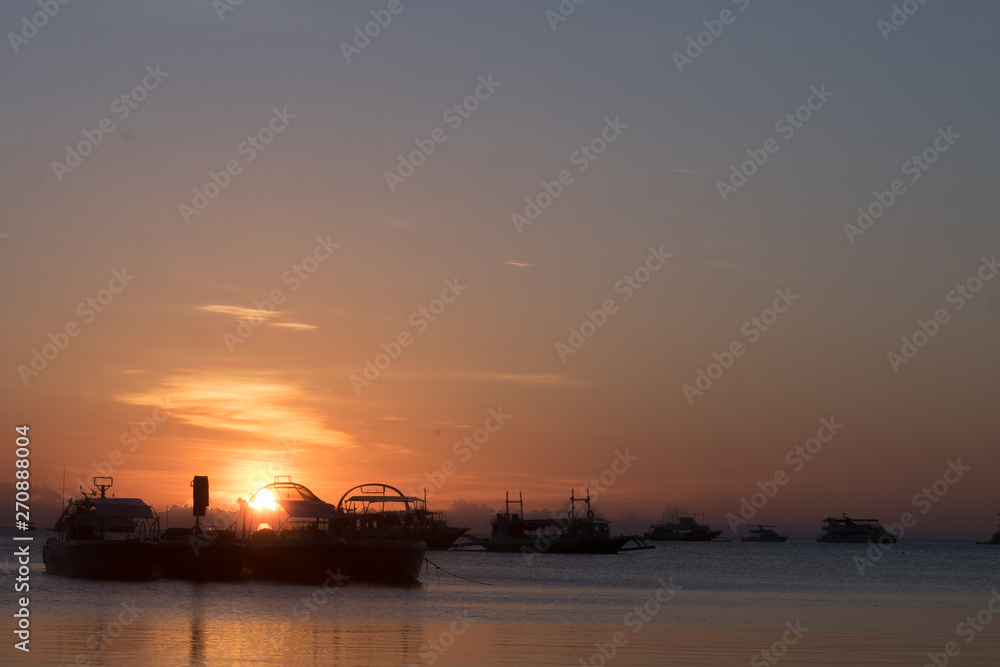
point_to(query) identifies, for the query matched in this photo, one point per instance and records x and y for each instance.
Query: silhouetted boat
(299, 542)
(192, 553)
(103, 538)
(993, 540)
(846, 530)
(681, 529)
(763, 533)
(569, 535)
(380, 511)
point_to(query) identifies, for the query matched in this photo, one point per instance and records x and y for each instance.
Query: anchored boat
(763, 533)
(103, 538)
(201, 555)
(291, 535)
(681, 529)
(380, 511)
(846, 530)
(569, 535)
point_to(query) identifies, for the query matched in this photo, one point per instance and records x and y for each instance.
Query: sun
(263, 498)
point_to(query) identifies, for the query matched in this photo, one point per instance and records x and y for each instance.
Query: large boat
(763, 533)
(563, 535)
(103, 538)
(380, 511)
(194, 553)
(993, 540)
(290, 535)
(846, 530)
(681, 529)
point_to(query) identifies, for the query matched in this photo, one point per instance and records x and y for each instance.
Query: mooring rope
(441, 569)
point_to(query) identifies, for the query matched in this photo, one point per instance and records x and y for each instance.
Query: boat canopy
(383, 499)
(133, 508)
(310, 509)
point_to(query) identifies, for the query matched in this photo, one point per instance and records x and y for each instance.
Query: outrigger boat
(291, 535)
(995, 539)
(763, 533)
(681, 529)
(570, 535)
(845, 530)
(103, 538)
(380, 511)
(193, 553)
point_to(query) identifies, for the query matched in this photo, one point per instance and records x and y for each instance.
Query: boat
(993, 540)
(196, 554)
(681, 529)
(569, 535)
(763, 533)
(103, 538)
(379, 511)
(290, 535)
(845, 530)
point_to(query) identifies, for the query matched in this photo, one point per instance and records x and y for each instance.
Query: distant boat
(103, 538)
(846, 530)
(763, 533)
(32, 526)
(993, 540)
(570, 535)
(681, 529)
(291, 536)
(380, 511)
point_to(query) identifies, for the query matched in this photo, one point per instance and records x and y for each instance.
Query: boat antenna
(572, 504)
(64, 486)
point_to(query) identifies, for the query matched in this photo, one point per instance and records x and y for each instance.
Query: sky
(676, 253)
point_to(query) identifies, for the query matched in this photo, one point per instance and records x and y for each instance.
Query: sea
(711, 604)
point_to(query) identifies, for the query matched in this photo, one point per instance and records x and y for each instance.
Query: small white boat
(763, 533)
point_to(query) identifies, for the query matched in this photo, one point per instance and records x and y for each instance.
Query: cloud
(255, 403)
(513, 263)
(521, 378)
(280, 318)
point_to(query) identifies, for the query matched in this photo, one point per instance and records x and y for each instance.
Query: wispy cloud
(513, 263)
(258, 404)
(522, 378)
(274, 318)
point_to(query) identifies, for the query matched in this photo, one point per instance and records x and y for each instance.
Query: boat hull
(100, 559)
(561, 546)
(317, 560)
(199, 561)
(698, 537)
(385, 561)
(883, 539)
(777, 538)
(444, 540)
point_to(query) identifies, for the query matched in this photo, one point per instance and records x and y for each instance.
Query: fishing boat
(103, 538)
(763, 533)
(290, 535)
(681, 529)
(571, 534)
(845, 530)
(380, 511)
(197, 554)
(993, 540)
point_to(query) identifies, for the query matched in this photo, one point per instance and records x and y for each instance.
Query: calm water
(730, 601)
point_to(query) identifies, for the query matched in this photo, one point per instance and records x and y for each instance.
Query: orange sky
(634, 262)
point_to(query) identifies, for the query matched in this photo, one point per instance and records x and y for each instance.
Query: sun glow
(264, 498)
